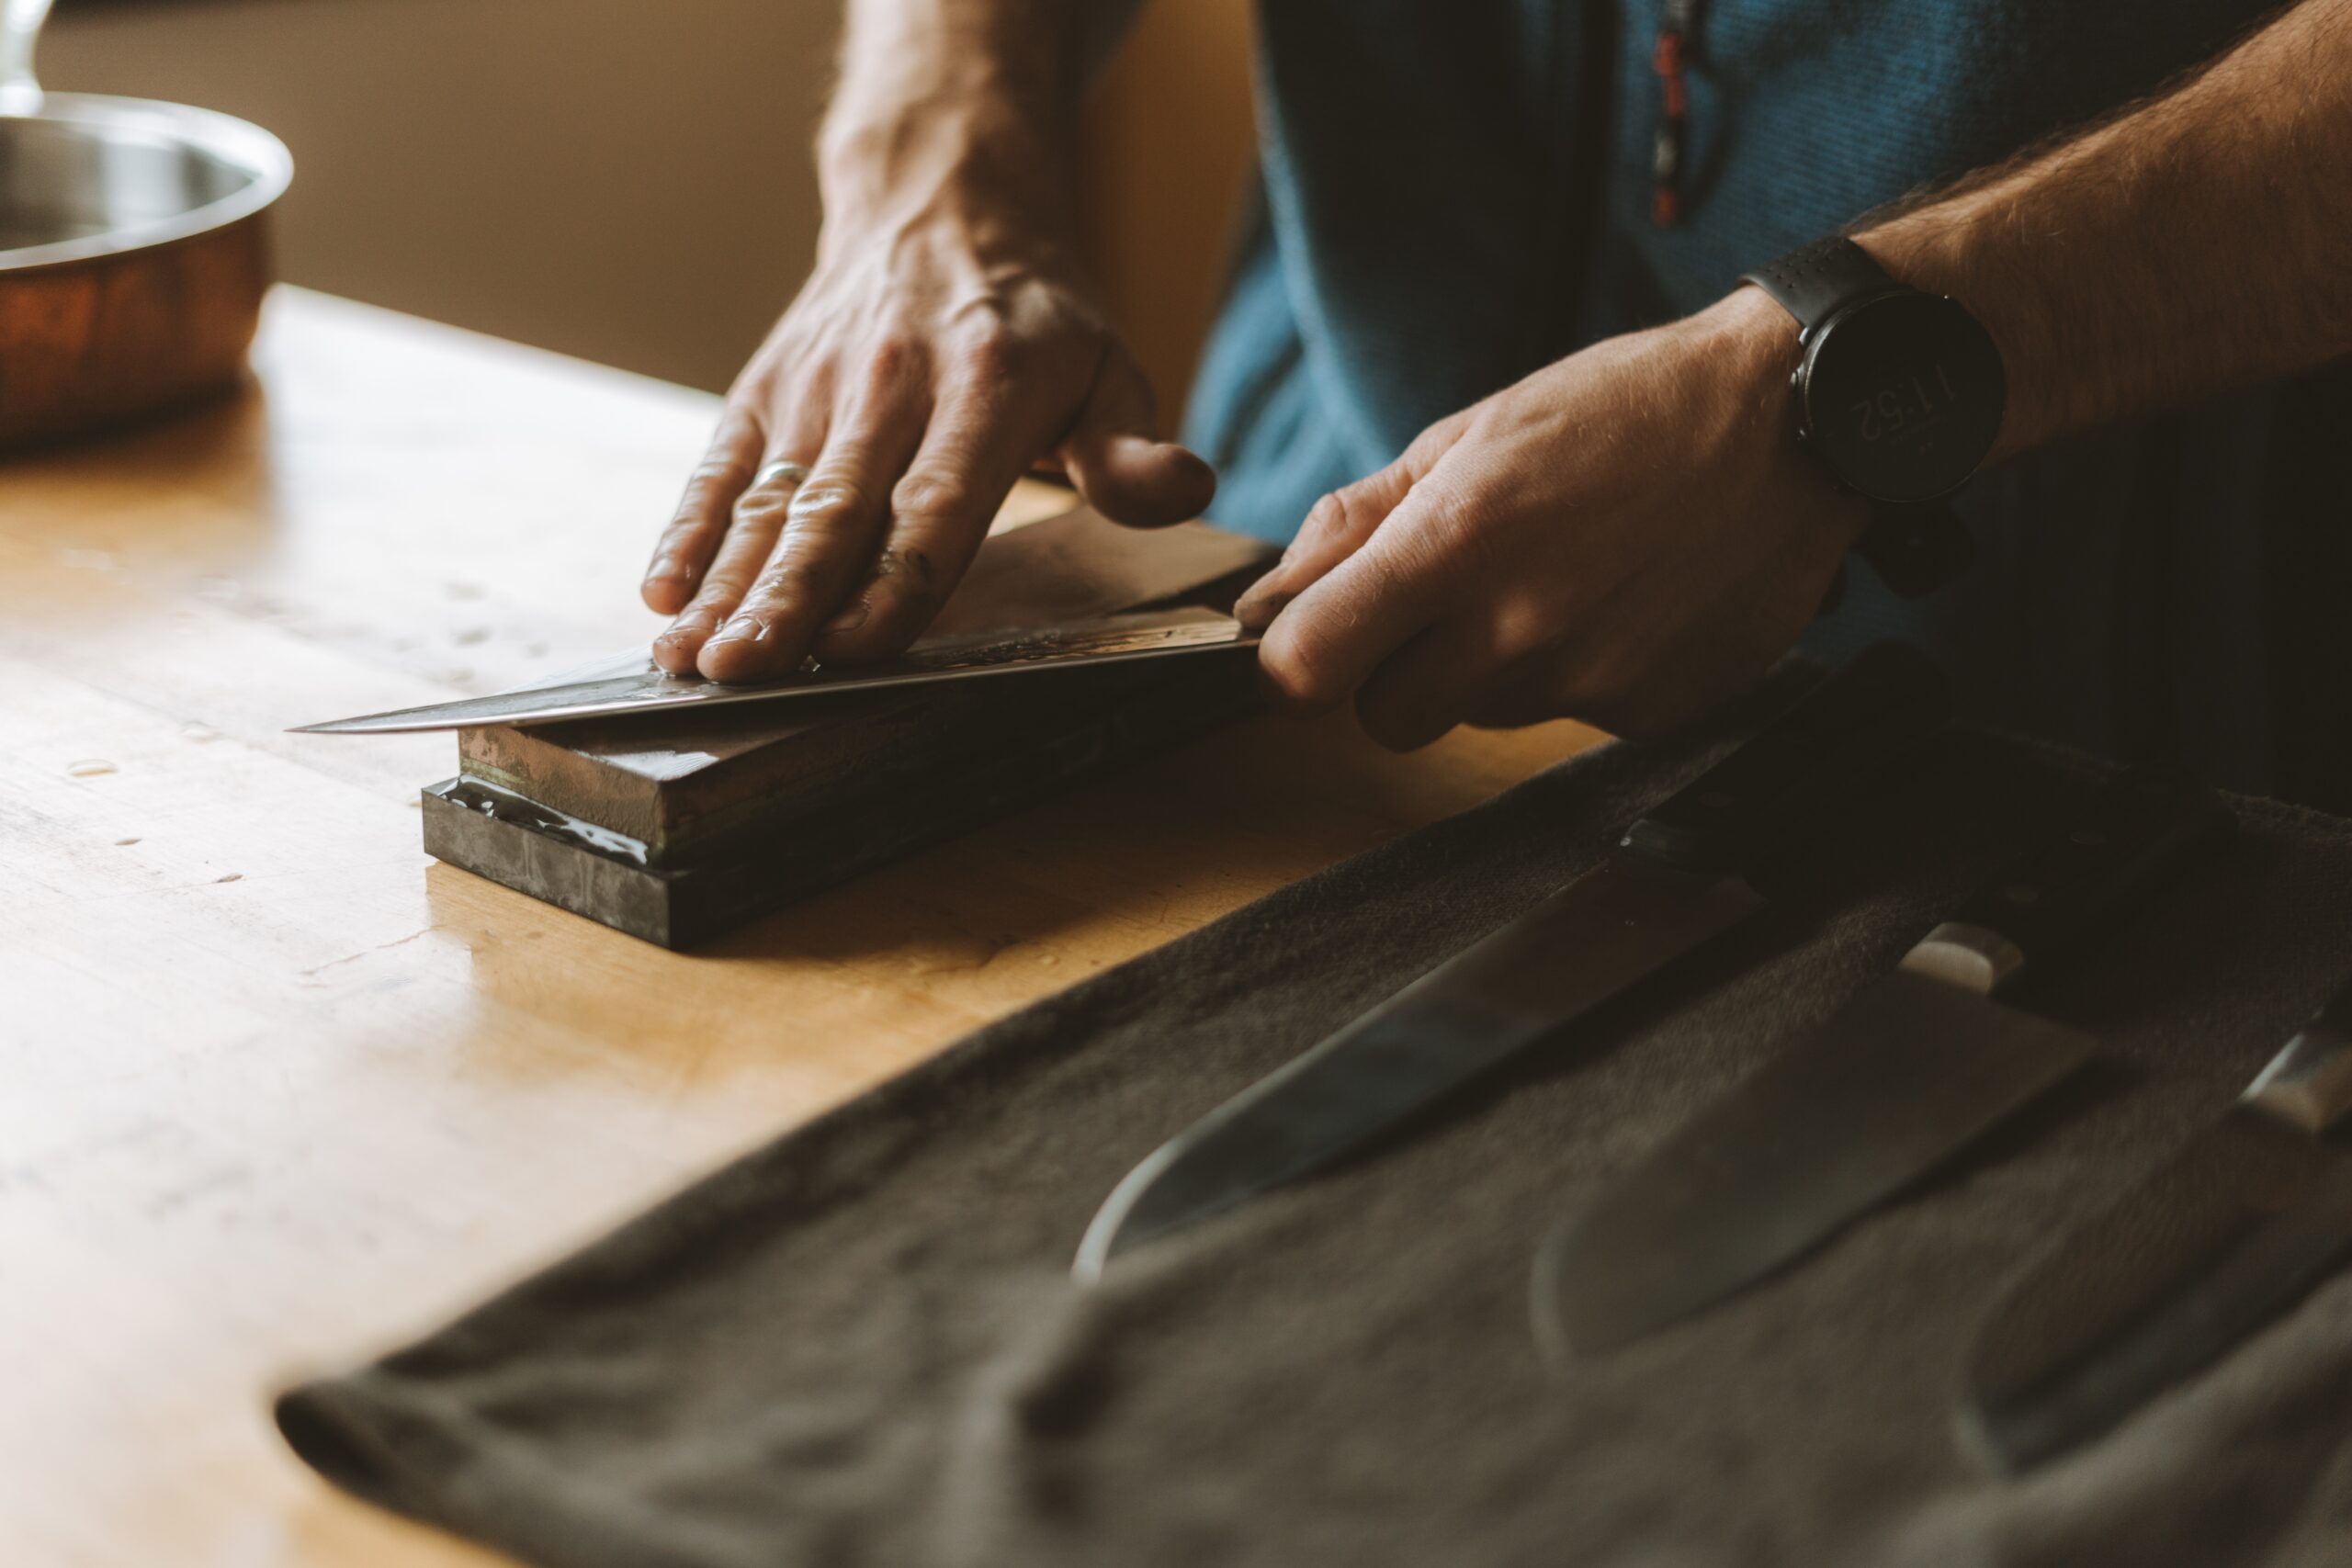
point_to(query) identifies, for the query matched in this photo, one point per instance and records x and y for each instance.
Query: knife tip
(1564, 1335)
(1980, 1436)
(1126, 1221)
(1105, 1237)
(1576, 1315)
(1568, 1327)
(1545, 1308)
(1094, 1249)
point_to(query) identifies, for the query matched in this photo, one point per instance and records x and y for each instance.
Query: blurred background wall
(630, 183)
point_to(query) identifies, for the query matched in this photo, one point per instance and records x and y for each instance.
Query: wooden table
(276, 1089)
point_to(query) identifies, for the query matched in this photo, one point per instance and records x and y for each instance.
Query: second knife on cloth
(1679, 878)
(1919, 1065)
(2190, 1260)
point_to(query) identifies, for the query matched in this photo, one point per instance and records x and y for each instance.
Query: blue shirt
(1454, 196)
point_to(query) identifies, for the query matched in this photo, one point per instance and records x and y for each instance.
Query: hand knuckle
(1432, 442)
(717, 468)
(791, 578)
(1296, 669)
(1454, 519)
(1328, 516)
(1596, 694)
(995, 356)
(904, 574)
(755, 505)
(1399, 573)
(891, 363)
(930, 495)
(983, 309)
(827, 503)
(1451, 537)
(1384, 723)
(712, 487)
(1518, 625)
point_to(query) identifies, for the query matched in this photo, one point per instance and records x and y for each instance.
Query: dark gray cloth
(861, 1345)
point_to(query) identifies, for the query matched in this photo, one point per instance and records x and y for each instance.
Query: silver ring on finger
(783, 472)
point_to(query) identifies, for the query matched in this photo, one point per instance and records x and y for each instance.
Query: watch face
(1902, 396)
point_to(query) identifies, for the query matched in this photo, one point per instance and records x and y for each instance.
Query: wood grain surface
(278, 1091)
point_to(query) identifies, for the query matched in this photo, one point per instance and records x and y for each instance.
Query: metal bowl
(133, 258)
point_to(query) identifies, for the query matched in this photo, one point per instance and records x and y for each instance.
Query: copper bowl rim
(240, 145)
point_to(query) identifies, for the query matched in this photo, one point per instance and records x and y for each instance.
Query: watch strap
(1815, 281)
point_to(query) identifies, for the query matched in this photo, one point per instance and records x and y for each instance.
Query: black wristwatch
(1898, 392)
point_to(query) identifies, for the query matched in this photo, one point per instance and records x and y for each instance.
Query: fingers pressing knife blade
(633, 685)
(1060, 591)
(2194, 1257)
(1676, 880)
(1918, 1065)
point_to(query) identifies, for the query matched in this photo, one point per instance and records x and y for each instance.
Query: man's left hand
(1624, 537)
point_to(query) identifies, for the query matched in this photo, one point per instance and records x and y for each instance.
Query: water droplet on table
(89, 769)
(233, 876)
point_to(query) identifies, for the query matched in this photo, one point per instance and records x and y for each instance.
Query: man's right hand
(930, 360)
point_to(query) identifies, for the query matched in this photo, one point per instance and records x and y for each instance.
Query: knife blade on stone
(1062, 573)
(1675, 880)
(2195, 1258)
(633, 685)
(1920, 1064)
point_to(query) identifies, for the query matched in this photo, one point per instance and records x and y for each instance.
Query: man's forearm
(966, 108)
(2200, 243)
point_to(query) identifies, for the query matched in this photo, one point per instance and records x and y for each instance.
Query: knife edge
(2213, 1302)
(2196, 1254)
(1920, 1064)
(1107, 639)
(1573, 949)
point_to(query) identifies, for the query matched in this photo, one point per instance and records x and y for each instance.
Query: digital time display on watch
(1901, 395)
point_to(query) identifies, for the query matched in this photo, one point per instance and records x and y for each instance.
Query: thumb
(1118, 465)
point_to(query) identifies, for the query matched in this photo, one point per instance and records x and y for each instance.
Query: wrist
(1899, 392)
(947, 232)
(1759, 338)
(1751, 345)
(1944, 250)
(961, 156)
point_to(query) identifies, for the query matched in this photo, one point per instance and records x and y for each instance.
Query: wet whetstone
(1065, 726)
